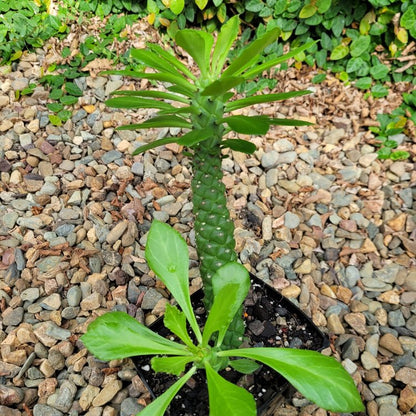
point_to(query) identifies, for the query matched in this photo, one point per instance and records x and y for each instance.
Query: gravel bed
(317, 216)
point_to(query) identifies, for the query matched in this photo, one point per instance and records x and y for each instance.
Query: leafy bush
(25, 24)
(349, 32)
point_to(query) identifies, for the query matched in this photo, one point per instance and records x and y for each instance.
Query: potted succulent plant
(204, 105)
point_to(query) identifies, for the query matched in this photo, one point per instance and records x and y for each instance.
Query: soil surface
(317, 216)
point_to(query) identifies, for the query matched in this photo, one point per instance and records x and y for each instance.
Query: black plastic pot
(271, 321)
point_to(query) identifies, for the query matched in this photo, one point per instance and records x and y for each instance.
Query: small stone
(91, 302)
(73, 296)
(407, 399)
(357, 322)
(116, 232)
(7, 411)
(30, 294)
(291, 291)
(388, 410)
(52, 302)
(334, 325)
(87, 396)
(398, 223)
(130, 407)
(107, 393)
(380, 389)
(369, 361)
(407, 376)
(270, 159)
(151, 298)
(305, 267)
(12, 317)
(391, 343)
(44, 410)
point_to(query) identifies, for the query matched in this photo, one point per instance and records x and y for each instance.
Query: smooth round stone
(380, 389)
(30, 294)
(69, 214)
(291, 220)
(9, 219)
(44, 410)
(64, 229)
(388, 410)
(396, 318)
(20, 204)
(70, 312)
(73, 296)
(129, 407)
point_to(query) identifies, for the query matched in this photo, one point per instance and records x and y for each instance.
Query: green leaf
(341, 51)
(408, 19)
(226, 398)
(194, 137)
(150, 59)
(244, 366)
(263, 98)
(167, 254)
(379, 71)
(158, 121)
(152, 145)
(175, 320)
(230, 285)
(364, 83)
(55, 107)
(321, 379)
(186, 87)
(222, 85)
(400, 155)
(73, 89)
(56, 94)
(137, 102)
(168, 57)
(55, 120)
(117, 335)
(323, 5)
(251, 53)
(252, 73)
(288, 122)
(307, 10)
(226, 37)
(239, 145)
(360, 45)
(68, 100)
(198, 44)
(170, 365)
(248, 125)
(392, 144)
(177, 6)
(159, 405)
(155, 94)
(317, 79)
(384, 153)
(379, 91)
(201, 3)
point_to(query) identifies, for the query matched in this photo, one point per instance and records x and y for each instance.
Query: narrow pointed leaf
(321, 379)
(137, 102)
(252, 73)
(194, 137)
(170, 365)
(117, 335)
(167, 255)
(161, 121)
(226, 38)
(152, 145)
(248, 125)
(288, 122)
(240, 145)
(198, 44)
(226, 398)
(181, 90)
(264, 98)
(180, 110)
(222, 85)
(158, 76)
(159, 406)
(171, 59)
(251, 53)
(151, 60)
(155, 94)
(175, 320)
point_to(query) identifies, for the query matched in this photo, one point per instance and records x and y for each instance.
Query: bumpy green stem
(214, 230)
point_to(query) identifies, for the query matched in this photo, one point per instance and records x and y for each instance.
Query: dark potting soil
(271, 321)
